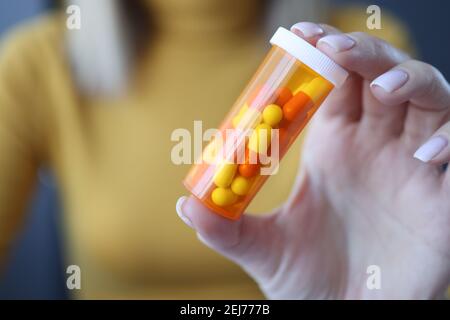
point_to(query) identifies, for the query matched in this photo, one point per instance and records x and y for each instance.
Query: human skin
(364, 195)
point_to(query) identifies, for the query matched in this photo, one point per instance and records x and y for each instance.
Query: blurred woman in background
(98, 106)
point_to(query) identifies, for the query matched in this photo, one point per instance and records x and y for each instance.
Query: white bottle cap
(309, 55)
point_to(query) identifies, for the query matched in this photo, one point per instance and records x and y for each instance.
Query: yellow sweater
(112, 162)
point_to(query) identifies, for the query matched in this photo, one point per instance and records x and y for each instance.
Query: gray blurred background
(36, 267)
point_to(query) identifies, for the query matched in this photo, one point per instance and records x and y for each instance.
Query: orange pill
(296, 105)
(248, 170)
(283, 95)
(250, 167)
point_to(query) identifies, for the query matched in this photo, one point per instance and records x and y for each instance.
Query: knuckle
(377, 48)
(349, 58)
(433, 78)
(429, 80)
(359, 35)
(369, 42)
(422, 67)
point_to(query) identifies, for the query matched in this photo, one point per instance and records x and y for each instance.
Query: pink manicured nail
(179, 207)
(338, 42)
(430, 149)
(308, 29)
(391, 80)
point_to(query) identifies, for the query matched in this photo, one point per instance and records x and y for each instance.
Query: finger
(343, 103)
(368, 57)
(361, 53)
(425, 90)
(436, 150)
(313, 32)
(247, 241)
(416, 82)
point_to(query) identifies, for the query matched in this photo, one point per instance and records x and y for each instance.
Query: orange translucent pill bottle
(283, 95)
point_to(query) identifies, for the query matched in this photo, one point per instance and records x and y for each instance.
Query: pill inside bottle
(288, 87)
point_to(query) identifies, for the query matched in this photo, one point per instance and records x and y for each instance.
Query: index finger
(359, 52)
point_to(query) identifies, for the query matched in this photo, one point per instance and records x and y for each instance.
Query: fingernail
(338, 42)
(430, 149)
(179, 207)
(308, 29)
(391, 80)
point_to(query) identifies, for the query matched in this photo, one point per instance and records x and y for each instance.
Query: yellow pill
(317, 88)
(260, 139)
(241, 185)
(301, 88)
(225, 174)
(272, 114)
(223, 197)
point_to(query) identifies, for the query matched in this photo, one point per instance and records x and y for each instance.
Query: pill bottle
(285, 92)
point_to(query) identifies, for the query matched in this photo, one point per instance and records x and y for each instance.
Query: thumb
(247, 241)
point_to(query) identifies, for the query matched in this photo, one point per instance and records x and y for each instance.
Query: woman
(98, 107)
